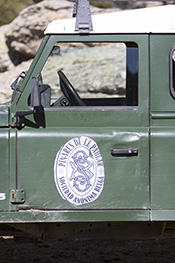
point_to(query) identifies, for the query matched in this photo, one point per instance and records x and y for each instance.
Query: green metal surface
(160, 47)
(126, 178)
(74, 216)
(4, 173)
(162, 130)
(163, 215)
(12, 163)
(4, 116)
(162, 168)
(126, 181)
(4, 158)
(137, 188)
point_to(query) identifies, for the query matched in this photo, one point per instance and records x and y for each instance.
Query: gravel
(71, 250)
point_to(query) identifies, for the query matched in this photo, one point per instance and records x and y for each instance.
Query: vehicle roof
(159, 19)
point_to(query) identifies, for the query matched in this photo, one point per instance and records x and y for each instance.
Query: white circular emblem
(79, 171)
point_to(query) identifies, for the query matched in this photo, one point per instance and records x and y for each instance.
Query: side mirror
(35, 94)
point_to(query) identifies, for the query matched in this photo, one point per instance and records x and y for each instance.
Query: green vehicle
(87, 143)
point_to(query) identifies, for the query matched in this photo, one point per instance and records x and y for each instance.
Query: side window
(172, 72)
(91, 74)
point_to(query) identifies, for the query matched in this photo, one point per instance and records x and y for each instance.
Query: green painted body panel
(4, 159)
(163, 168)
(160, 47)
(37, 216)
(126, 186)
(137, 188)
(4, 173)
(13, 164)
(124, 176)
(163, 215)
(4, 116)
(162, 130)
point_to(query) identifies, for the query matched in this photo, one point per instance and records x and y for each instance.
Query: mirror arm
(25, 113)
(35, 103)
(20, 117)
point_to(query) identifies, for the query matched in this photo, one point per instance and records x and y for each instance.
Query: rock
(94, 70)
(26, 31)
(3, 67)
(7, 77)
(4, 58)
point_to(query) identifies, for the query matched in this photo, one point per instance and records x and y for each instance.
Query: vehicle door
(162, 126)
(87, 147)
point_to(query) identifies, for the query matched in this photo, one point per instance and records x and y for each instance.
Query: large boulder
(25, 32)
(4, 58)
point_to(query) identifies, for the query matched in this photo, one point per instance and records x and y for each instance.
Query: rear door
(88, 146)
(162, 126)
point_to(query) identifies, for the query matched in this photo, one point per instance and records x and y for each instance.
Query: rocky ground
(88, 251)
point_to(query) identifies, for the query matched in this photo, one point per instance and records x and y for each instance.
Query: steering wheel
(69, 91)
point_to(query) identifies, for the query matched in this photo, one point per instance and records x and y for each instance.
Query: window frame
(172, 73)
(129, 90)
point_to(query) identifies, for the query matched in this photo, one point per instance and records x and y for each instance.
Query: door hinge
(17, 196)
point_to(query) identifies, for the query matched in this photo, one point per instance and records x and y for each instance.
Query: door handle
(124, 152)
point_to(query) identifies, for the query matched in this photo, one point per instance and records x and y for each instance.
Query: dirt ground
(88, 251)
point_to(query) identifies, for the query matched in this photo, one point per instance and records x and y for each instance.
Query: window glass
(91, 74)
